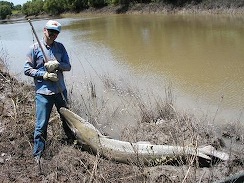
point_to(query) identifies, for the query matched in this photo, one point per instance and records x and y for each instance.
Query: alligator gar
(127, 152)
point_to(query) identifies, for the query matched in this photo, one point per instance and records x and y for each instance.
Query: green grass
(16, 12)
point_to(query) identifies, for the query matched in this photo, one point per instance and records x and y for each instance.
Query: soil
(68, 162)
(65, 161)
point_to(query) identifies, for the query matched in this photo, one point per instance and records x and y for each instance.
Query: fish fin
(210, 150)
(202, 155)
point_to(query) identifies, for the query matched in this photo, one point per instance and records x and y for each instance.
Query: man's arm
(30, 66)
(64, 63)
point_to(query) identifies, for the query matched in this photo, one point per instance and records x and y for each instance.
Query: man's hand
(50, 76)
(51, 65)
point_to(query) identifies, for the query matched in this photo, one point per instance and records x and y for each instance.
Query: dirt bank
(67, 162)
(159, 8)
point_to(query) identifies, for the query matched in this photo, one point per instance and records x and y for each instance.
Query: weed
(156, 120)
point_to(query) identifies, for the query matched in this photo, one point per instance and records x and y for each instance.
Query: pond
(199, 58)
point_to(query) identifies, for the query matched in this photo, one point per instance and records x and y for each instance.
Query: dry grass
(160, 123)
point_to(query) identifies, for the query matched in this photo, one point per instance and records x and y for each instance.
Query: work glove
(51, 65)
(50, 76)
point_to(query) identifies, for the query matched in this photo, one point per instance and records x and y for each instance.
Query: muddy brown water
(200, 57)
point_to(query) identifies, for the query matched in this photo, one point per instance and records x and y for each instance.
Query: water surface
(200, 56)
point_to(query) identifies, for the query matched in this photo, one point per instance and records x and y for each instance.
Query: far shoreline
(137, 9)
(155, 8)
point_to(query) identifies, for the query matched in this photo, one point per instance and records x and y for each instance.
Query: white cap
(53, 25)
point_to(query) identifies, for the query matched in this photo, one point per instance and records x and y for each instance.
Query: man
(49, 81)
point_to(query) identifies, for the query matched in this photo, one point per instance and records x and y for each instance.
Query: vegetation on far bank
(57, 7)
(7, 9)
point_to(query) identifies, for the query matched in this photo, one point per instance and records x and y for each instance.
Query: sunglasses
(50, 31)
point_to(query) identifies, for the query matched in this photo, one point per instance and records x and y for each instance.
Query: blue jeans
(44, 105)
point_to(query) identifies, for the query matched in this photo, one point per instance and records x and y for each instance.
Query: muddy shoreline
(155, 8)
(65, 161)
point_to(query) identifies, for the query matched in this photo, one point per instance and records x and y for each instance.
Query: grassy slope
(65, 162)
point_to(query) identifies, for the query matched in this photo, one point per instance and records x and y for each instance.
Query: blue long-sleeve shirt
(34, 67)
